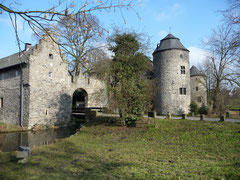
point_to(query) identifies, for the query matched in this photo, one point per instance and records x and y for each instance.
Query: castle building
(174, 88)
(36, 87)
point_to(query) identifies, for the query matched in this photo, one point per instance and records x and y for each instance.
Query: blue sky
(189, 20)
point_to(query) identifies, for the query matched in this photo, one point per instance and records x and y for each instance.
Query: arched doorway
(80, 99)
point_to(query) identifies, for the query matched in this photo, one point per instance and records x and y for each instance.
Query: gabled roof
(168, 43)
(15, 59)
(195, 72)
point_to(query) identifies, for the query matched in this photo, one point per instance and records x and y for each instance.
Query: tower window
(50, 56)
(50, 74)
(199, 99)
(182, 91)
(1, 102)
(196, 88)
(182, 69)
(181, 56)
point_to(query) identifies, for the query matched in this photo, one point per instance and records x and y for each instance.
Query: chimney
(27, 46)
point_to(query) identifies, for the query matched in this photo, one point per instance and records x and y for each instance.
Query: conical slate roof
(195, 72)
(168, 43)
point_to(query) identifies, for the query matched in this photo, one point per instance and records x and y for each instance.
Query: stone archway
(80, 99)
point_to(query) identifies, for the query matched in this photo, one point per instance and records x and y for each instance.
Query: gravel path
(189, 118)
(206, 119)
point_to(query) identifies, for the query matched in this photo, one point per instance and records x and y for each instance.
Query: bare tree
(79, 38)
(37, 19)
(220, 67)
(232, 14)
(232, 19)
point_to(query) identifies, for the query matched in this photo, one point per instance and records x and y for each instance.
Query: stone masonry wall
(167, 69)
(96, 90)
(50, 101)
(198, 90)
(47, 89)
(51, 88)
(10, 94)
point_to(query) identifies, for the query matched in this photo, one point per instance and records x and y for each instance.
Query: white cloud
(174, 11)
(197, 55)
(104, 47)
(162, 34)
(7, 21)
(143, 3)
(162, 16)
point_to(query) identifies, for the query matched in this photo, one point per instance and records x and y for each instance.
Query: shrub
(193, 108)
(203, 109)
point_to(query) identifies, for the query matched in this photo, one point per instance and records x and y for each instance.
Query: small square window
(50, 56)
(1, 102)
(182, 69)
(196, 88)
(50, 74)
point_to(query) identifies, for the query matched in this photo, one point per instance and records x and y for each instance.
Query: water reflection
(11, 141)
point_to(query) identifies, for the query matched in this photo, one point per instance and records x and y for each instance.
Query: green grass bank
(176, 149)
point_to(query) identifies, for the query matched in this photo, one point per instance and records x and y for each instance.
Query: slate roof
(170, 42)
(14, 59)
(195, 72)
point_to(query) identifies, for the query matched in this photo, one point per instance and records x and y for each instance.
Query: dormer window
(182, 69)
(50, 56)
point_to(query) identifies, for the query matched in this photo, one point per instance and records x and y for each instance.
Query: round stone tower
(198, 86)
(171, 69)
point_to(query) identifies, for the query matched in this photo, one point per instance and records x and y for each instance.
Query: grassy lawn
(176, 149)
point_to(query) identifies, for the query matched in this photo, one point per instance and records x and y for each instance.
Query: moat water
(12, 141)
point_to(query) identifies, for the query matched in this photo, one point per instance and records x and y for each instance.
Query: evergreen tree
(129, 87)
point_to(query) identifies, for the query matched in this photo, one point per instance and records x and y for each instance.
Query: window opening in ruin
(182, 69)
(1, 103)
(183, 91)
(50, 74)
(46, 112)
(88, 80)
(181, 56)
(196, 88)
(50, 56)
(199, 99)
